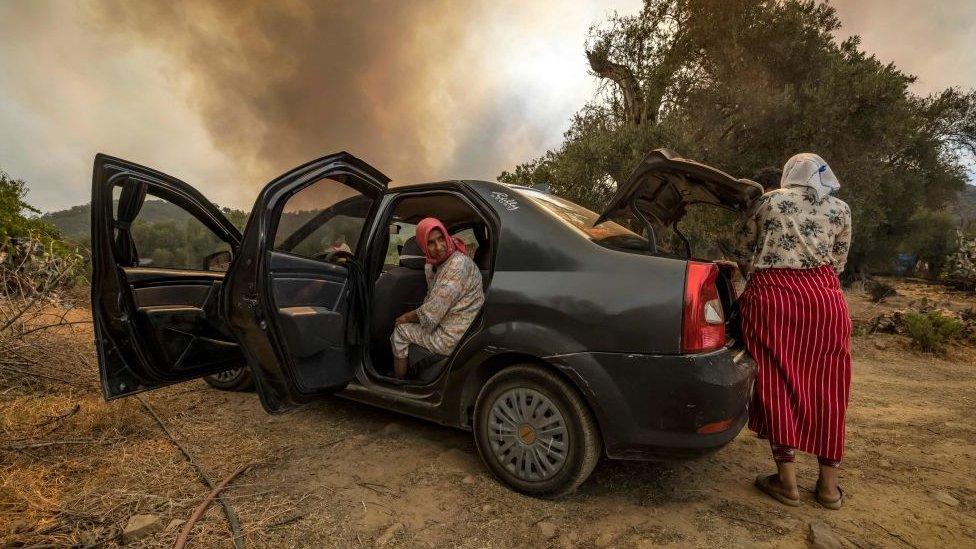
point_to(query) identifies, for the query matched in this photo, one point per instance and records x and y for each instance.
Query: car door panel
(153, 326)
(298, 281)
(291, 312)
(311, 317)
(192, 293)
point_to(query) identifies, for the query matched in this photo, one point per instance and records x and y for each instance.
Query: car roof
(448, 183)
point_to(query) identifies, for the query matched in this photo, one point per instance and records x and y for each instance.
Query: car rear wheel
(237, 379)
(535, 432)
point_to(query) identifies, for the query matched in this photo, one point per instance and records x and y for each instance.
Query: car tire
(236, 379)
(518, 454)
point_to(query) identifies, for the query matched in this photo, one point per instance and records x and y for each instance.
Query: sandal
(832, 504)
(764, 483)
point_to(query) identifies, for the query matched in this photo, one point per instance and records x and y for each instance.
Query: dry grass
(74, 468)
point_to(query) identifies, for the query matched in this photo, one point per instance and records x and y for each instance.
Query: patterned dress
(795, 322)
(789, 228)
(454, 297)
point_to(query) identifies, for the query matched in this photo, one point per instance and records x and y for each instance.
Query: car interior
(402, 285)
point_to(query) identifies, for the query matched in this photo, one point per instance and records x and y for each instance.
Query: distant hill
(75, 222)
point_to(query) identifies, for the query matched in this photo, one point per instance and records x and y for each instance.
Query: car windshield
(582, 219)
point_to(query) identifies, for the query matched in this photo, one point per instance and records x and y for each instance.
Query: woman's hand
(407, 318)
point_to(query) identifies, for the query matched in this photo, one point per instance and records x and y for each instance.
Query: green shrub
(932, 331)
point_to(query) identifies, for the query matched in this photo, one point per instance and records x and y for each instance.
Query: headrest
(411, 256)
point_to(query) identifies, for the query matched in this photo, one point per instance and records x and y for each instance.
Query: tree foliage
(16, 219)
(743, 84)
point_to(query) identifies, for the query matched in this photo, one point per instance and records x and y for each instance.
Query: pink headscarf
(454, 244)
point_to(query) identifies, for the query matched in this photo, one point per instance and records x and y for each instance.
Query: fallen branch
(202, 508)
(57, 325)
(40, 444)
(286, 520)
(235, 526)
(37, 297)
(71, 411)
(43, 376)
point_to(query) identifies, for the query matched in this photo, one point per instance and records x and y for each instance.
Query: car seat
(423, 364)
(398, 290)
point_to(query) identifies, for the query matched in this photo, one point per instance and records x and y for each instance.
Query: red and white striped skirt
(796, 326)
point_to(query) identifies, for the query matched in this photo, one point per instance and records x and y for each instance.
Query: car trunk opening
(664, 184)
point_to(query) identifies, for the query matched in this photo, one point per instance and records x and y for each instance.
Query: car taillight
(703, 322)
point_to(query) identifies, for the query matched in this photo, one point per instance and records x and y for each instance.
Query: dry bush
(879, 290)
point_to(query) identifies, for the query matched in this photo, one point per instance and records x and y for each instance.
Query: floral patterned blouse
(454, 297)
(790, 228)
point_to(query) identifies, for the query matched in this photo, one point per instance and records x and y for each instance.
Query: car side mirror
(218, 261)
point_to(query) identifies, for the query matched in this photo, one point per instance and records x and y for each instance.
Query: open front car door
(158, 253)
(296, 296)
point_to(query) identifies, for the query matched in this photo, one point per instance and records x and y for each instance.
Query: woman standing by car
(796, 325)
(454, 296)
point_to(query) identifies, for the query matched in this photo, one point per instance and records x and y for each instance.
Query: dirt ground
(338, 473)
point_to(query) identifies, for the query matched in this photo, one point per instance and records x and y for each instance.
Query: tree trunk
(624, 78)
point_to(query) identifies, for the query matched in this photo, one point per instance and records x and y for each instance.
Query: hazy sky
(228, 94)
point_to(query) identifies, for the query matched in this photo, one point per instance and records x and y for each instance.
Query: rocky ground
(76, 470)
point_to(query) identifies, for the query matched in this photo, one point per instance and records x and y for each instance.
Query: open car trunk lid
(665, 184)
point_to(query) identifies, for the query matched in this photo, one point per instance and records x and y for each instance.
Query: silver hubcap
(527, 434)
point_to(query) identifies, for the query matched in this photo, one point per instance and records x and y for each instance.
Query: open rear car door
(156, 279)
(296, 295)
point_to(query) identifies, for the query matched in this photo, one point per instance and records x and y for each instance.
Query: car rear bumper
(664, 406)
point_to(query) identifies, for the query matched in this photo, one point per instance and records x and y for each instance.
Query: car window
(406, 231)
(470, 242)
(579, 218)
(168, 237)
(325, 216)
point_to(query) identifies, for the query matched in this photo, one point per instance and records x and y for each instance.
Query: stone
(885, 463)
(392, 428)
(389, 534)
(604, 539)
(945, 497)
(174, 524)
(140, 526)
(468, 479)
(821, 536)
(547, 529)
(880, 345)
(19, 526)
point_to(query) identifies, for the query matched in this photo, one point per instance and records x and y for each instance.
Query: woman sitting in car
(454, 297)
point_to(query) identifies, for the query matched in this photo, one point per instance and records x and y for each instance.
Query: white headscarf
(809, 170)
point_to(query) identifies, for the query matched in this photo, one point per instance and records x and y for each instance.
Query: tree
(742, 84)
(15, 218)
(932, 239)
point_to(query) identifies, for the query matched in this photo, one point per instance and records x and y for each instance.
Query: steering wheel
(335, 256)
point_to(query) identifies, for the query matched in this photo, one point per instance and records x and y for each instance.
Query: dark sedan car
(590, 341)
